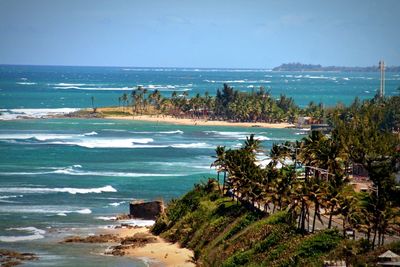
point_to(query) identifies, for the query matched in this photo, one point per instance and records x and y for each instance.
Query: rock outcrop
(146, 210)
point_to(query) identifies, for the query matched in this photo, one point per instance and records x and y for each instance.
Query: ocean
(62, 177)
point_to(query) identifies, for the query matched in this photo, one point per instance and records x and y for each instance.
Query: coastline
(138, 243)
(193, 122)
(158, 253)
(160, 118)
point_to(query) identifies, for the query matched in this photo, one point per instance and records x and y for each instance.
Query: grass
(222, 232)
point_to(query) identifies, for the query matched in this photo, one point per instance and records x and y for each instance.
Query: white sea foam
(45, 209)
(192, 145)
(84, 211)
(237, 81)
(84, 140)
(73, 84)
(107, 143)
(45, 190)
(38, 136)
(35, 233)
(116, 204)
(237, 135)
(76, 170)
(138, 222)
(26, 83)
(91, 133)
(172, 132)
(106, 218)
(12, 196)
(95, 88)
(12, 114)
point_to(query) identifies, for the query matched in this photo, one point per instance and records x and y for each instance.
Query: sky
(199, 33)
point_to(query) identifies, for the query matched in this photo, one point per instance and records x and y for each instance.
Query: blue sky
(178, 33)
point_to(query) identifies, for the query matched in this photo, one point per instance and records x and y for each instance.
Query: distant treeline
(311, 67)
(228, 105)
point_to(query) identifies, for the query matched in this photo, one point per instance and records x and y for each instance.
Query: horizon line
(171, 67)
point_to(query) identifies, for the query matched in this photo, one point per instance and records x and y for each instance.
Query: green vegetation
(284, 216)
(228, 104)
(222, 232)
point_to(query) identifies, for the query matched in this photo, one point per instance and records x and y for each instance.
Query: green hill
(223, 232)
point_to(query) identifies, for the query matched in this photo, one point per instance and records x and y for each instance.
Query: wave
(76, 171)
(106, 218)
(172, 132)
(13, 114)
(12, 196)
(192, 145)
(95, 88)
(76, 139)
(116, 204)
(238, 135)
(137, 222)
(196, 70)
(149, 132)
(26, 83)
(91, 133)
(73, 84)
(37, 136)
(4, 199)
(45, 209)
(107, 143)
(35, 233)
(45, 190)
(237, 81)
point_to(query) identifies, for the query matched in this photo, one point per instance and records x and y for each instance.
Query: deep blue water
(68, 176)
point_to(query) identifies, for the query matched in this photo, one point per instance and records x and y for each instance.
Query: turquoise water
(60, 177)
(56, 87)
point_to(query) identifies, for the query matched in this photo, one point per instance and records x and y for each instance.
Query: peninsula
(311, 67)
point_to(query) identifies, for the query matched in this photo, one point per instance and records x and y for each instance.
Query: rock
(106, 238)
(137, 240)
(13, 258)
(146, 210)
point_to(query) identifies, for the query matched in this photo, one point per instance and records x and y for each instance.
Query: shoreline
(160, 118)
(160, 252)
(138, 243)
(194, 122)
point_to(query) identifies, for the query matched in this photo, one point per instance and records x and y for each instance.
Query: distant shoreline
(195, 122)
(168, 119)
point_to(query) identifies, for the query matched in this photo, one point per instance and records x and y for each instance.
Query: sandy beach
(194, 122)
(159, 253)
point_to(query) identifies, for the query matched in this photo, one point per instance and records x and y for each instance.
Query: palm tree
(125, 99)
(220, 164)
(252, 145)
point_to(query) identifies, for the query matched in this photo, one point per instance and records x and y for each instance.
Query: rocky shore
(10, 258)
(138, 242)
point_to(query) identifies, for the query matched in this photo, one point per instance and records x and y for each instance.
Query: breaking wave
(45, 190)
(34, 232)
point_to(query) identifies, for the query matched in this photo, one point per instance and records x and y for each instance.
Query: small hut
(389, 258)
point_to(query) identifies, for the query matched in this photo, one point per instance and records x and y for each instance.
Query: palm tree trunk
(223, 184)
(330, 218)
(315, 216)
(374, 238)
(219, 186)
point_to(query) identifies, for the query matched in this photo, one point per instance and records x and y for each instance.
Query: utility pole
(382, 87)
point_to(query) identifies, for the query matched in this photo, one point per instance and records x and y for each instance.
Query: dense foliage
(228, 104)
(222, 232)
(363, 134)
